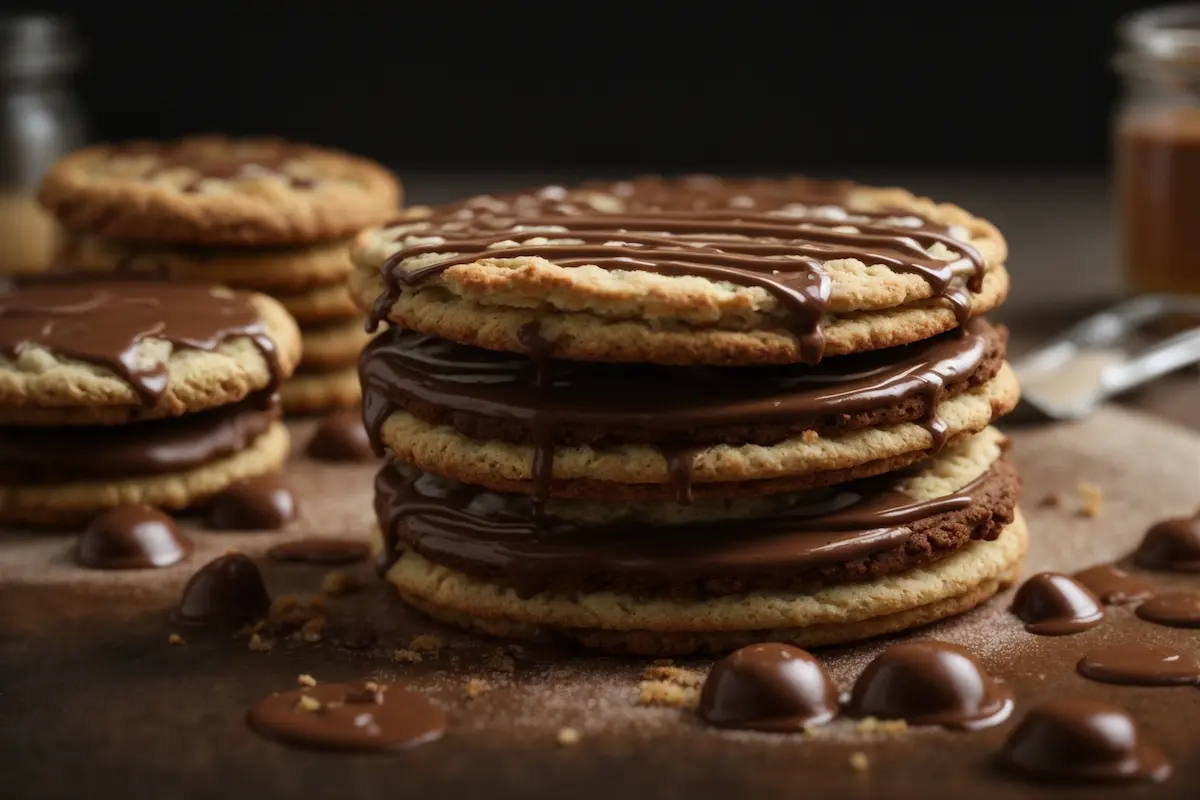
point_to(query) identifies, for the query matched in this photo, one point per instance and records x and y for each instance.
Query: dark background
(738, 84)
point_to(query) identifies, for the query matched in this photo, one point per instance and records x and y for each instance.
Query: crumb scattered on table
(406, 656)
(1092, 497)
(859, 762)
(426, 643)
(313, 629)
(260, 645)
(293, 609)
(1051, 500)
(306, 680)
(676, 675)
(873, 725)
(308, 703)
(176, 640)
(339, 583)
(568, 737)
(668, 693)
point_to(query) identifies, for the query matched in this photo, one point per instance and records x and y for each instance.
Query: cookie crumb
(676, 675)
(372, 686)
(476, 687)
(568, 737)
(426, 643)
(308, 703)
(1051, 500)
(873, 725)
(292, 609)
(666, 693)
(339, 583)
(1093, 498)
(260, 645)
(859, 761)
(306, 680)
(313, 629)
(809, 436)
(176, 640)
(500, 661)
(406, 656)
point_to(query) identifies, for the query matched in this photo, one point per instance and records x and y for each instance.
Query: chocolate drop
(1172, 545)
(930, 683)
(1053, 604)
(348, 717)
(1082, 740)
(1176, 609)
(131, 537)
(768, 687)
(341, 437)
(324, 551)
(227, 592)
(262, 503)
(1140, 664)
(1113, 585)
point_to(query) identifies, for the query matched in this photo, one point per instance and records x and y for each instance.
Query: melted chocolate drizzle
(103, 323)
(780, 248)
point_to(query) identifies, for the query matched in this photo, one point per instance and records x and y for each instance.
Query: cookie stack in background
(677, 416)
(255, 214)
(116, 393)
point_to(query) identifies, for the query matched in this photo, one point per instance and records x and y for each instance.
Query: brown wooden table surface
(99, 705)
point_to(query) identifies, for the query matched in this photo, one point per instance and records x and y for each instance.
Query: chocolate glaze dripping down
(542, 422)
(695, 243)
(681, 463)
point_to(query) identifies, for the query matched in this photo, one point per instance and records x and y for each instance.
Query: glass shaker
(41, 121)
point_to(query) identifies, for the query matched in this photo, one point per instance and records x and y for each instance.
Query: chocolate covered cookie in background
(116, 393)
(255, 214)
(678, 416)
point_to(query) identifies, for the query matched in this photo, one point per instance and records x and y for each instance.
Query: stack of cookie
(254, 214)
(678, 416)
(116, 393)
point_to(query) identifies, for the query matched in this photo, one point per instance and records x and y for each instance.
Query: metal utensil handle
(1157, 360)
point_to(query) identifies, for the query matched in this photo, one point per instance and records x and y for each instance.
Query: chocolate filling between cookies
(779, 250)
(33, 456)
(852, 532)
(490, 395)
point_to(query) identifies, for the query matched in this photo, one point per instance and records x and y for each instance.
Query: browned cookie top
(218, 191)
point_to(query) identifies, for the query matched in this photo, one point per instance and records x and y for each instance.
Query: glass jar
(40, 120)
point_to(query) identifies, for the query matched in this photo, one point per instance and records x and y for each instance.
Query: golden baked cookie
(211, 190)
(322, 304)
(109, 352)
(645, 472)
(732, 272)
(71, 504)
(726, 611)
(280, 269)
(310, 392)
(332, 346)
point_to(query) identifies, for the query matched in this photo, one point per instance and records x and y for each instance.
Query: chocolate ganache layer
(776, 240)
(848, 533)
(36, 456)
(104, 322)
(490, 395)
